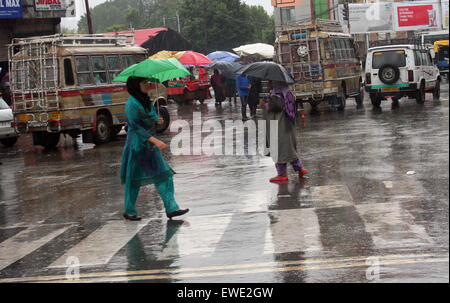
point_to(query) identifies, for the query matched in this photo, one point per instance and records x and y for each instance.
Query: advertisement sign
(10, 9)
(417, 16)
(371, 18)
(51, 5)
(444, 14)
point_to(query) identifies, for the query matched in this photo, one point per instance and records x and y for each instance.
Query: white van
(396, 71)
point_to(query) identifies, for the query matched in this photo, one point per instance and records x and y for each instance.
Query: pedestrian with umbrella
(281, 108)
(142, 161)
(217, 82)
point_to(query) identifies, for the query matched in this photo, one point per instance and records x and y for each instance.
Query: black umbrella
(228, 69)
(267, 71)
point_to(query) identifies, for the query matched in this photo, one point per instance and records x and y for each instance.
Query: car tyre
(437, 90)
(420, 95)
(9, 142)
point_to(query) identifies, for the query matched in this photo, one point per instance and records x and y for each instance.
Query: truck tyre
(360, 97)
(437, 90)
(163, 113)
(9, 142)
(420, 95)
(103, 131)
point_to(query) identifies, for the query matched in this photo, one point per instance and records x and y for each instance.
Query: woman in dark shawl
(281, 107)
(217, 84)
(142, 162)
(253, 97)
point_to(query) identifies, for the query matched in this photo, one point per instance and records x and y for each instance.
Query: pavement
(374, 208)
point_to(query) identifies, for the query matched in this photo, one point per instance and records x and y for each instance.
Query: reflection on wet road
(359, 217)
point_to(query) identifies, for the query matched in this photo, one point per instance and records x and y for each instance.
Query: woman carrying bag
(142, 162)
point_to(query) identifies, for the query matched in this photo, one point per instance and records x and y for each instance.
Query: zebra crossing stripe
(101, 245)
(25, 242)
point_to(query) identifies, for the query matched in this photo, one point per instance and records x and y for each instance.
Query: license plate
(37, 124)
(5, 124)
(389, 89)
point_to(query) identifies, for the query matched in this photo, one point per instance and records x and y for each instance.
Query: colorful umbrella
(164, 55)
(154, 70)
(192, 58)
(222, 56)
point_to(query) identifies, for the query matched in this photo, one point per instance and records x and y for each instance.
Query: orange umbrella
(192, 58)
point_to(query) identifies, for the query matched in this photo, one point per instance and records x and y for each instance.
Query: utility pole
(88, 15)
(205, 34)
(178, 20)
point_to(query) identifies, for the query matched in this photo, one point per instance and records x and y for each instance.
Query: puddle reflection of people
(281, 107)
(142, 162)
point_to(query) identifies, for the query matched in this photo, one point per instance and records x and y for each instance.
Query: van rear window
(395, 58)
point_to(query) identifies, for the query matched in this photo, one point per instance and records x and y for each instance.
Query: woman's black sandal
(176, 213)
(132, 217)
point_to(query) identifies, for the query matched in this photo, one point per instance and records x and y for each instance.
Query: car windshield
(3, 104)
(396, 58)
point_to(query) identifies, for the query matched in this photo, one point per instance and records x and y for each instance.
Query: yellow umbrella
(164, 55)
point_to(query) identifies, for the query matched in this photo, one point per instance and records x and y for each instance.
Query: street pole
(205, 34)
(88, 15)
(178, 20)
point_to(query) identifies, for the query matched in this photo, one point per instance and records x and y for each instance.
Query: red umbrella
(194, 58)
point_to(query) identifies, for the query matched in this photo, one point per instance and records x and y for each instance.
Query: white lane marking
(293, 230)
(25, 242)
(331, 196)
(391, 226)
(101, 245)
(198, 235)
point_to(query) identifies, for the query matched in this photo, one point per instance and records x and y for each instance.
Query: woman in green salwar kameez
(142, 162)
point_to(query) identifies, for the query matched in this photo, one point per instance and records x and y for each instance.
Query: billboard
(51, 5)
(444, 14)
(371, 18)
(10, 9)
(416, 16)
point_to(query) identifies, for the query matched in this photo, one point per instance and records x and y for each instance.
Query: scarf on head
(281, 89)
(134, 90)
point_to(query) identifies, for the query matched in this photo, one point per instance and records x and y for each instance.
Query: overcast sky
(72, 22)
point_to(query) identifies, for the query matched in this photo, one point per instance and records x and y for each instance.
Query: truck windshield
(395, 58)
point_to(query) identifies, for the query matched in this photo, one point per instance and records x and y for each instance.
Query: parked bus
(63, 84)
(324, 62)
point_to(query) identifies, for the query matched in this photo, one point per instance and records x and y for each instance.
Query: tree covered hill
(209, 24)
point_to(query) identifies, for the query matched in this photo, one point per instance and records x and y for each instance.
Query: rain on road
(359, 217)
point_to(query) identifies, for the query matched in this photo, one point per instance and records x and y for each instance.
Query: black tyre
(163, 113)
(342, 100)
(375, 100)
(420, 95)
(103, 130)
(9, 142)
(389, 74)
(360, 97)
(437, 90)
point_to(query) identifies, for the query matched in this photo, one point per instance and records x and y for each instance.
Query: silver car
(8, 136)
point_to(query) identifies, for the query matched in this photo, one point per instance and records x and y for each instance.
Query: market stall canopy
(154, 70)
(265, 51)
(222, 56)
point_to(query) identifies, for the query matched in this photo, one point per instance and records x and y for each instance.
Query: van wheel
(437, 90)
(420, 95)
(9, 142)
(342, 100)
(164, 113)
(103, 131)
(375, 100)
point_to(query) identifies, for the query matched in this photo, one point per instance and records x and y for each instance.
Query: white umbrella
(266, 51)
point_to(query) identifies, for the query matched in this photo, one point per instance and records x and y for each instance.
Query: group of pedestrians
(143, 164)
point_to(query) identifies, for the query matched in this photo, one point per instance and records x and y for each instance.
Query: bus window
(99, 69)
(127, 61)
(68, 72)
(343, 52)
(348, 49)
(113, 66)
(335, 45)
(83, 71)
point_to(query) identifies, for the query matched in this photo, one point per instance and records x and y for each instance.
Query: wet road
(359, 217)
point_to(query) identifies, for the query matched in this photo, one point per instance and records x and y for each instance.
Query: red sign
(418, 15)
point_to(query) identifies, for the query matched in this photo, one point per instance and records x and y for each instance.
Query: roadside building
(27, 18)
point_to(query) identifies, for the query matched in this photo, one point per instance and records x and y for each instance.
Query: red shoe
(279, 179)
(302, 173)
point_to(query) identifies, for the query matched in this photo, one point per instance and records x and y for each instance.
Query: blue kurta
(142, 162)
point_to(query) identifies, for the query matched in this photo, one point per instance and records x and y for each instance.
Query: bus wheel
(163, 113)
(103, 131)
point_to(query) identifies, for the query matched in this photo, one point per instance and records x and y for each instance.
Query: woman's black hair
(134, 89)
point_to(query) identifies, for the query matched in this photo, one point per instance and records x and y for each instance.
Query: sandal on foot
(132, 217)
(279, 179)
(176, 213)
